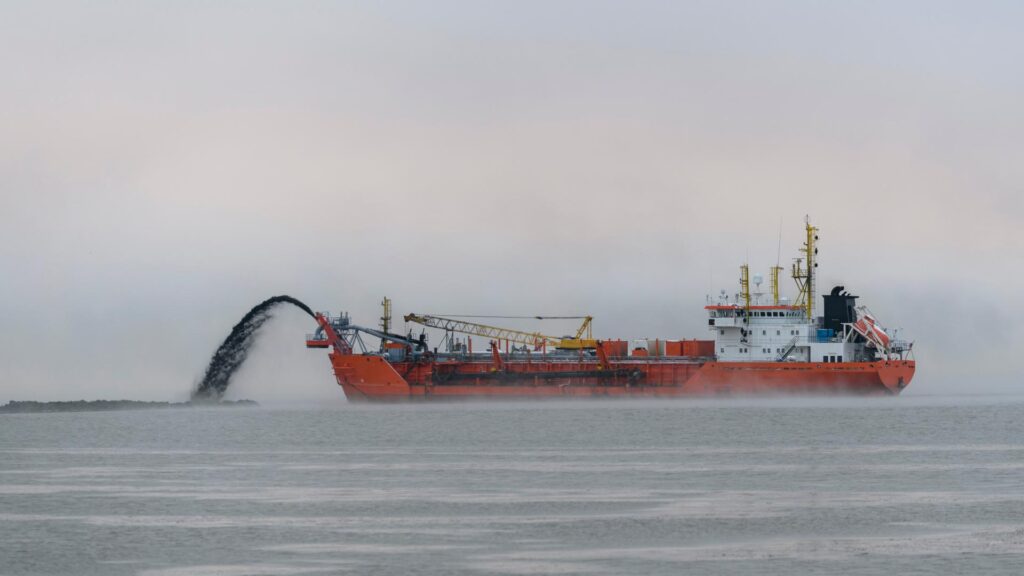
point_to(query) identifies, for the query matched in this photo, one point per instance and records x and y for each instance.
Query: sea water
(911, 485)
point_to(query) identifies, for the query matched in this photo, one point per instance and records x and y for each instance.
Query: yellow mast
(745, 286)
(385, 319)
(775, 284)
(805, 277)
(812, 264)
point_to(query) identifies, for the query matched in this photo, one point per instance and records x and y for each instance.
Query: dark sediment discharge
(235, 348)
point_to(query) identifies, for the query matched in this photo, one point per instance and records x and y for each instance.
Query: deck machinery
(762, 344)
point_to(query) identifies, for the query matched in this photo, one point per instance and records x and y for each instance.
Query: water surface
(912, 485)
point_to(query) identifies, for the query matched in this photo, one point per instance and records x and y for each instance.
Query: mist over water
(231, 354)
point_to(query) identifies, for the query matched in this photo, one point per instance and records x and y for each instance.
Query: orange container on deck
(615, 348)
(698, 347)
(674, 348)
(705, 347)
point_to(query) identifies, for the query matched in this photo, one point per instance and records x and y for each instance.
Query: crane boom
(535, 339)
(585, 327)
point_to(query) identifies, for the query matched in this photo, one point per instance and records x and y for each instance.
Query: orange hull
(373, 378)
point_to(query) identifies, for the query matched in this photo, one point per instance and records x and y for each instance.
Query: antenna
(778, 251)
(711, 279)
(777, 268)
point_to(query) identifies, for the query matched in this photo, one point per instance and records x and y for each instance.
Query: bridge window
(840, 359)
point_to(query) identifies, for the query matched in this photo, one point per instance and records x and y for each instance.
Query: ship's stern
(896, 374)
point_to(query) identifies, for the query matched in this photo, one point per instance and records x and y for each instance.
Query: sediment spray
(235, 348)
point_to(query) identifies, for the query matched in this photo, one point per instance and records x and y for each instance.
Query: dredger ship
(762, 344)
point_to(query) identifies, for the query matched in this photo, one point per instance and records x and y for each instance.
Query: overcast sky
(166, 165)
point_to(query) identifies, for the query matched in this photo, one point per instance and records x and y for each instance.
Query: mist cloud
(597, 158)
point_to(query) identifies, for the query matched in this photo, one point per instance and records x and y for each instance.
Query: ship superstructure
(747, 328)
(762, 343)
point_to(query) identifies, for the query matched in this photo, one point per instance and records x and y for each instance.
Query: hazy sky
(165, 166)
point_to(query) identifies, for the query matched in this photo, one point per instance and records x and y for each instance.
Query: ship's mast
(812, 264)
(805, 278)
(775, 284)
(385, 318)
(745, 287)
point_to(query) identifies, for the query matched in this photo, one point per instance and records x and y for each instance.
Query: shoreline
(34, 407)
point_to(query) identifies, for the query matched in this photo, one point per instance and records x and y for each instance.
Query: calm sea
(912, 485)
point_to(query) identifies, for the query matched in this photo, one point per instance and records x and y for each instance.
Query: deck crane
(582, 340)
